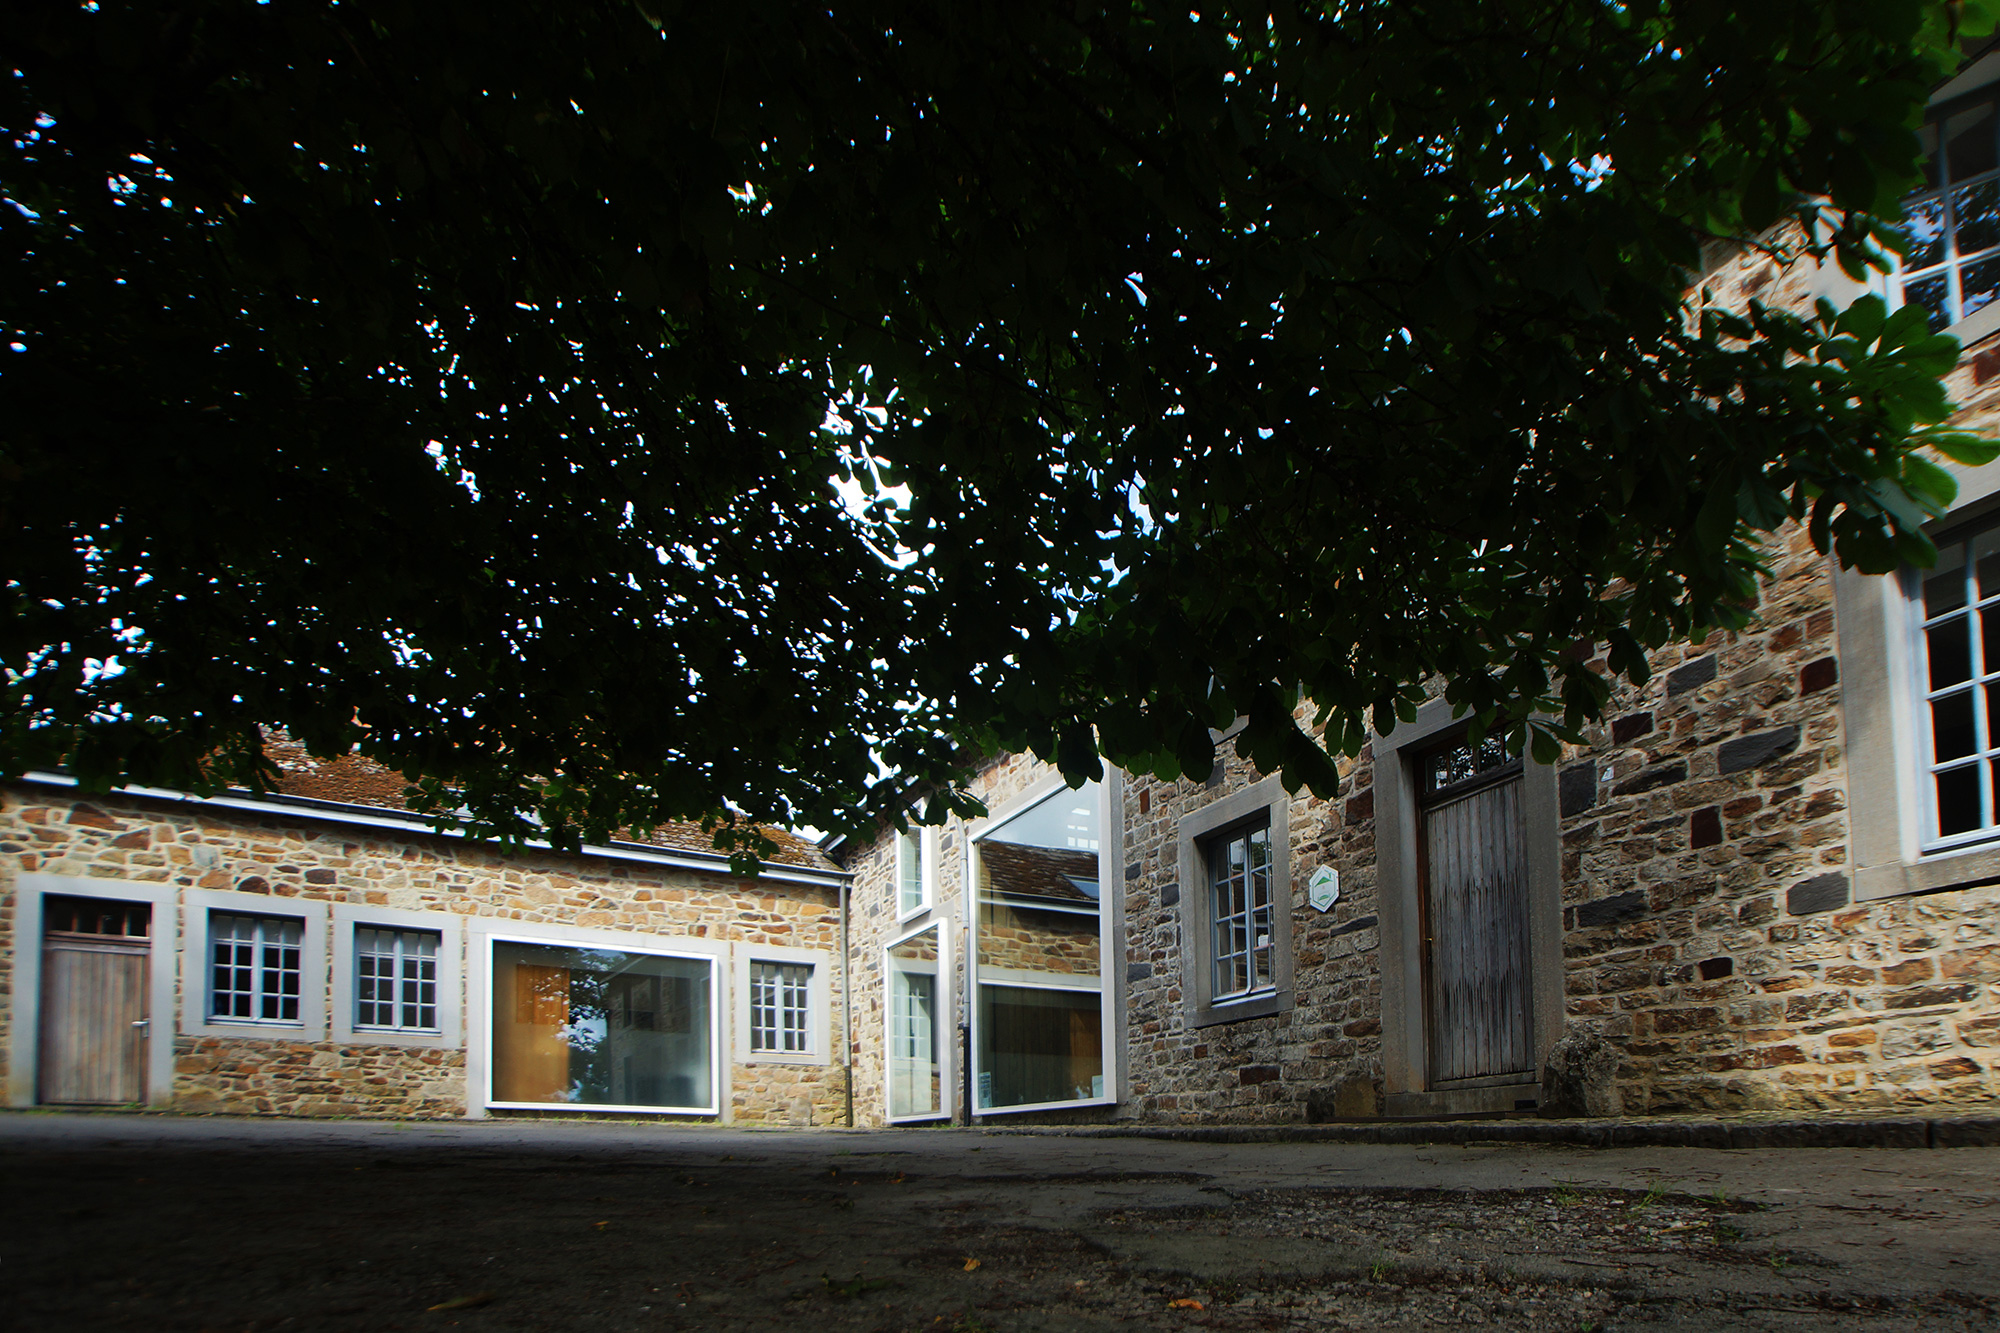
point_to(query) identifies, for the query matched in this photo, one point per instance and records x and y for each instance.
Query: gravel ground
(148, 1223)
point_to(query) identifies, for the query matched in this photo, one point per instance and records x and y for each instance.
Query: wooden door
(1479, 1019)
(96, 962)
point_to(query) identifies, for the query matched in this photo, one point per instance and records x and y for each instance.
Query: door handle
(142, 1022)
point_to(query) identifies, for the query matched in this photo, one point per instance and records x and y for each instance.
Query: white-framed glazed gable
(200, 908)
(819, 1004)
(483, 933)
(983, 978)
(351, 917)
(24, 1018)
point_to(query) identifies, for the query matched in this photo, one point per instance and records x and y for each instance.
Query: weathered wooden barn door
(1479, 1020)
(96, 954)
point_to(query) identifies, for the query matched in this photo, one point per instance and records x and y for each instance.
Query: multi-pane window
(779, 1007)
(1240, 910)
(912, 892)
(254, 968)
(1960, 666)
(396, 979)
(1953, 268)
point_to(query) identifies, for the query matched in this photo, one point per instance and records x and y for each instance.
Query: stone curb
(1912, 1132)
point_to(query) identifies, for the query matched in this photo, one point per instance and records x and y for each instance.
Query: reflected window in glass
(1952, 225)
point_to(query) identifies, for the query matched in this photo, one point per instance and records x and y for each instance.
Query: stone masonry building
(1770, 878)
(319, 951)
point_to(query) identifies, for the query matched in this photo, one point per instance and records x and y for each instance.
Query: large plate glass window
(602, 1027)
(917, 1026)
(1953, 268)
(1040, 1020)
(1958, 654)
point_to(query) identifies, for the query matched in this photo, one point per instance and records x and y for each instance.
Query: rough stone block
(1610, 911)
(1750, 751)
(1816, 676)
(1664, 775)
(1705, 827)
(1631, 727)
(1577, 788)
(1821, 893)
(1349, 1099)
(1692, 676)
(1580, 1076)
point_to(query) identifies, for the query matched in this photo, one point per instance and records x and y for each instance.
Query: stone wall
(1708, 930)
(160, 842)
(1707, 925)
(1284, 1066)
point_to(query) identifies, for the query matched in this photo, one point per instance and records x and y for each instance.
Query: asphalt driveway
(163, 1223)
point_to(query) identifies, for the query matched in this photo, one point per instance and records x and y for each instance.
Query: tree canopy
(627, 410)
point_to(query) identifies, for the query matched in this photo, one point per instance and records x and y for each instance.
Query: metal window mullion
(1950, 219)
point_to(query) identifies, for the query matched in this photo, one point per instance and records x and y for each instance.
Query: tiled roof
(354, 780)
(1014, 870)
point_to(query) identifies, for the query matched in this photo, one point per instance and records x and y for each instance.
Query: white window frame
(484, 933)
(1110, 942)
(24, 1028)
(921, 842)
(818, 999)
(1882, 684)
(349, 917)
(199, 908)
(1932, 839)
(948, 1029)
(1977, 80)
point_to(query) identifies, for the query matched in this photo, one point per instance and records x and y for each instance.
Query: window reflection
(1952, 226)
(600, 1027)
(1039, 955)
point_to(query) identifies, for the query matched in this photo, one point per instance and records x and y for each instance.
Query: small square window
(396, 979)
(780, 1008)
(254, 968)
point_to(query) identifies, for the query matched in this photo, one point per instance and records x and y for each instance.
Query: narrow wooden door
(1480, 1020)
(96, 959)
